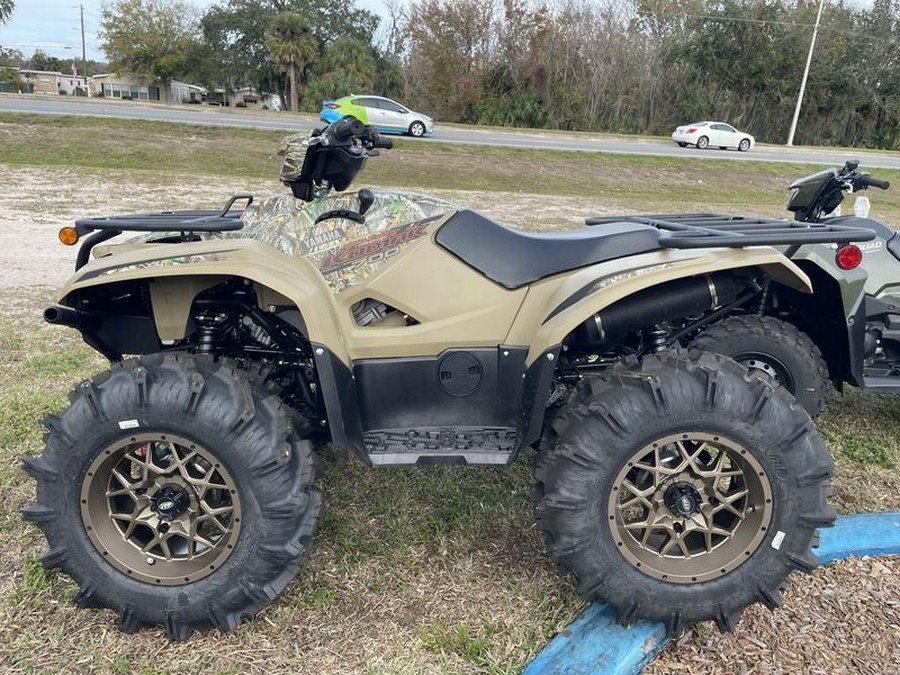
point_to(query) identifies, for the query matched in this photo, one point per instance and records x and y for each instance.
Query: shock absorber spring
(764, 295)
(208, 325)
(655, 339)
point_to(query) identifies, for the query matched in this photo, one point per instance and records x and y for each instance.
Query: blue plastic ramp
(594, 644)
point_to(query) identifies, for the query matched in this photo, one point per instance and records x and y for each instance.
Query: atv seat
(514, 259)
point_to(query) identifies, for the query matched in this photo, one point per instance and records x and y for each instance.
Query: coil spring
(656, 339)
(764, 295)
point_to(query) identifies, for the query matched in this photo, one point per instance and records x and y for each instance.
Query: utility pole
(83, 50)
(812, 46)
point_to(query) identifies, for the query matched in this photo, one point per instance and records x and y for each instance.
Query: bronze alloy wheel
(177, 492)
(690, 507)
(161, 508)
(682, 489)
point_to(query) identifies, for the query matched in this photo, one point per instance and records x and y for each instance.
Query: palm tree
(6, 10)
(291, 44)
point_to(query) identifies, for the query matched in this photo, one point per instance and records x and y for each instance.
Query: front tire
(175, 493)
(683, 490)
(777, 349)
(417, 129)
(744, 145)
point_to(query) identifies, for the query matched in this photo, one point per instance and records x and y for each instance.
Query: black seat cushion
(514, 259)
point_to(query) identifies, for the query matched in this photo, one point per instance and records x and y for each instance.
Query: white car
(713, 135)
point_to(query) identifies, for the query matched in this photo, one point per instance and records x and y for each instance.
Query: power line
(737, 19)
(839, 30)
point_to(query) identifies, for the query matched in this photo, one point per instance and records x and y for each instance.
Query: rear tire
(702, 143)
(777, 349)
(174, 438)
(606, 435)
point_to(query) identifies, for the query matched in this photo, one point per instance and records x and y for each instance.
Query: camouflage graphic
(161, 262)
(344, 251)
(293, 151)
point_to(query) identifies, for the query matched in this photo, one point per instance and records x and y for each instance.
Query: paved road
(446, 134)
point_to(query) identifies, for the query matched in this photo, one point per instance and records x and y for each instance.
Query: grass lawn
(627, 182)
(436, 570)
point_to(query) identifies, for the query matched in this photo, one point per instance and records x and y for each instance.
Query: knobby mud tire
(612, 416)
(246, 429)
(738, 336)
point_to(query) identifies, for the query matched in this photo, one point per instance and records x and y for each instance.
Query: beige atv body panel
(547, 317)
(453, 305)
(176, 273)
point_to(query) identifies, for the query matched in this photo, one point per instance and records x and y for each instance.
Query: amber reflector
(68, 236)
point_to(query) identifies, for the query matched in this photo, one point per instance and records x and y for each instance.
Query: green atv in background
(178, 487)
(848, 331)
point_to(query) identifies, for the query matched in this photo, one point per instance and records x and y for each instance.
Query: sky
(54, 26)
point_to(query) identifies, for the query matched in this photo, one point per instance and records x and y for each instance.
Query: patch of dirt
(843, 619)
(35, 203)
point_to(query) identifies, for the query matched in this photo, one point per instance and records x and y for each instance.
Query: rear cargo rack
(183, 222)
(704, 230)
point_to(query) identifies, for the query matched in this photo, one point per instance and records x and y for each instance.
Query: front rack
(184, 222)
(704, 230)
(225, 220)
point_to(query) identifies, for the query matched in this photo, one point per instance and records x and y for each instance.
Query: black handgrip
(874, 182)
(385, 143)
(346, 128)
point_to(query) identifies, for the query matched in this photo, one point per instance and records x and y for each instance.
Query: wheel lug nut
(150, 561)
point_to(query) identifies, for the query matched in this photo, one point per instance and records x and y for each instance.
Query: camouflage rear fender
(553, 310)
(177, 272)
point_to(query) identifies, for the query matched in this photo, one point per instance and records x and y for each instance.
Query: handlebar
(868, 181)
(345, 130)
(859, 180)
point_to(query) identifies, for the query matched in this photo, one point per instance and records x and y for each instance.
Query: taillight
(333, 106)
(848, 257)
(691, 130)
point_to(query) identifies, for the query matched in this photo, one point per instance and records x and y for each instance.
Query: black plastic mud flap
(339, 393)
